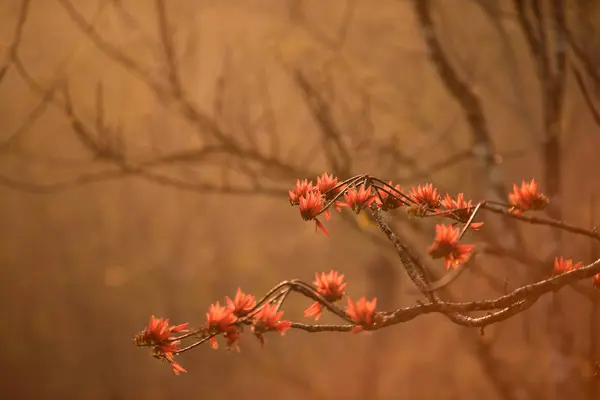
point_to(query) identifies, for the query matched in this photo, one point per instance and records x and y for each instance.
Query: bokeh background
(147, 148)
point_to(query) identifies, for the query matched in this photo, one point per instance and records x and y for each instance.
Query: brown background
(83, 264)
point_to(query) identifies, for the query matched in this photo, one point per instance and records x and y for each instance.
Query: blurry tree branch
(111, 151)
(206, 126)
(483, 146)
(297, 16)
(18, 34)
(332, 142)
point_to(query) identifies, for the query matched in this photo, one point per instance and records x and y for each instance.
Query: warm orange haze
(152, 158)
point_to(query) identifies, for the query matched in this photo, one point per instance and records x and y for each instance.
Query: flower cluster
(269, 319)
(460, 209)
(356, 195)
(159, 335)
(527, 198)
(562, 265)
(230, 320)
(227, 320)
(423, 200)
(446, 245)
(331, 287)
(311, 198)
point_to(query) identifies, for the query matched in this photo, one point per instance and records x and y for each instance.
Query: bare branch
(18, 35)
(166, 36)
(337, 152)
(587, 96)
(110, 50)
(9, 143)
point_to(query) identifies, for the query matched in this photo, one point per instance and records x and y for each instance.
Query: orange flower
(302, 188)
(326, 185)
(268, 319)
(310, 206)
(362, 313)
(158, 335)
(461, 206)
(526, 198)
(331, 286)
(241, 304)
(158, 331)
(562, 265)
(232, 339)
(446, 245)
(387, 202)
(221, 319)
(359, 199)
(426, 197)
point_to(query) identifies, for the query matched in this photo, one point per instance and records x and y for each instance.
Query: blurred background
(147, 148)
